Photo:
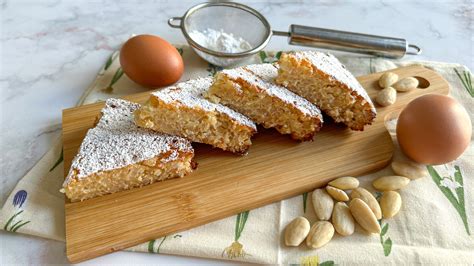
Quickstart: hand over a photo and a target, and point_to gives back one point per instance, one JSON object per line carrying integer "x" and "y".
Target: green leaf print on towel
{"x": 151, "y": 244}
{"x": 111, "y": 59}
{"x": 305, "y": 199}
{"x": 13, "y": 227}
{"x": 327, "y": 263}
{"x": 447, "y": 184}
{"x": 267, "y": 57}
{"x": 386, "y": 243}
{"x": 118, "y": 74}
{"x": 236, "y": 250}
{"x": 213, "y": 69}
{"x": 58, "y": 161}
{"x": 180, "y": 51}
{"x": 314, "y": 261}
{"x": 466, "y": 81}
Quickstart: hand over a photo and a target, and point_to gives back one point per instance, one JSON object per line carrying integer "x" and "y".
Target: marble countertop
{"x": 51, "y": 50}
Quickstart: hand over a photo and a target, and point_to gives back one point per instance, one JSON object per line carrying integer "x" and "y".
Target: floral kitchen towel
{"x": 435, "y": 224}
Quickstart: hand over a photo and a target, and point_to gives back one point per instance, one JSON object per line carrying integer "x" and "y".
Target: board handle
{"x": 430, "y": 82}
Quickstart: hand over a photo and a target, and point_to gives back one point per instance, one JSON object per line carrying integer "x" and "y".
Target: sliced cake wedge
{"x": 324, "y": 81}
{"x": 182, "y": 110}
{"x": 117, "y": 155}
{"x": 251, "y": 91}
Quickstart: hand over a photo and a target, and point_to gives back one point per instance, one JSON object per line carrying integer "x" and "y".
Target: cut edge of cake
{"x": 324, "y": 81}
{"x": 182, "y": 110}
{"x": 251, "y": 91}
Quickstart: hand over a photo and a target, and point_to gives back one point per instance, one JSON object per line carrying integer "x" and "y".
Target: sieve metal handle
{"x": 173, "y": 19}
{"x": 349, "y": 41}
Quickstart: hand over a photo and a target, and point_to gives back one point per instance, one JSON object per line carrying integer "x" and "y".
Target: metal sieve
{"x": 247, "y": 23}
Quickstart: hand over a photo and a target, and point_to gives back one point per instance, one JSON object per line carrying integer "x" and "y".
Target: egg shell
{"x": 434, "y": 129}
{"x": 151, "y": 61}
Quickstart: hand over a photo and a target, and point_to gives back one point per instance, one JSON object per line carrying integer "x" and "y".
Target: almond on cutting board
{"x": 364, "y": 216}
{"x": 388, "y": 79}
{"x": 386, "y": 97}
{"x": 323, "y": 204}
{"x": 406, "y": 84}
{"x": 345, "y": 182}
{"x": 369, "y": 199}
{"x": 393, "y": 182}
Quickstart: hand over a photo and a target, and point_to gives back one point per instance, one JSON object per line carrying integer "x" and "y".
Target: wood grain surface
{"x": 225, "y": 184}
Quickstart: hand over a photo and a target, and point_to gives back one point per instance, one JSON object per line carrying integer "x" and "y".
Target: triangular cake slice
{"x": 324, "y": 81}
{"x": 182, "y": 110}
{"x": 251, "y": 91}
{"x": 117, "y": 155}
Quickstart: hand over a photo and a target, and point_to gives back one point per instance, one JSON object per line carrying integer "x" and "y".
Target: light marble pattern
{"x": 51, "y": 50}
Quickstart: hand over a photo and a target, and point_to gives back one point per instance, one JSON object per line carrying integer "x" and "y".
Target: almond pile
{"x": 342, "y": 204}
{"x": 390, "y": 84}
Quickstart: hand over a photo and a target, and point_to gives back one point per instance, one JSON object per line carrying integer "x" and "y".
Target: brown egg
{"x": 151, "y": 61}
{"x": 434, "y": 129}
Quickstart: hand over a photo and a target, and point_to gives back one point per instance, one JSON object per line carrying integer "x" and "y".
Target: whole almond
{"x": 388, "y": 79}
{"x": 345, "y": 182}
{"x": 364, "y": 216}
{"x": 409, "y": 169}
{"x": 390, "y": 202}
{"x": 393, "y": 182}
{"x": 386, "y": 97}
{"x": 342, "y": 219}
{"x": 406, "y": 84}
{"x": 337, "y": 194}
{"x": 368, "y": 198}
{"x": 320, "y": 234}
{"x": 296, "y": 231}
{"x": 322, "y": 204}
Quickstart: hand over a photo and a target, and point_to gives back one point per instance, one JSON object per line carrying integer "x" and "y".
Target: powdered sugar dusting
{"x": 331, "y": 66}
{"x": 221, "y": 41}
{"x": 117, "y": 142}
{"x": 262, "y": 76}
{"x": 190, "y": 94}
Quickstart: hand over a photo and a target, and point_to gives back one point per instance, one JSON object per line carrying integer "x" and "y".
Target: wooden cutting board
{"x": 224, "y": 184}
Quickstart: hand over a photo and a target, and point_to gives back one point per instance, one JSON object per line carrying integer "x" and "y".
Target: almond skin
{"x": 364, "y": 216}
{"x": 387, "y": 183}
{"x": 342, "y": 219}
{"x": 322, "y": 204}
{"x": 320, "y": 234}
{"x": 345, "y": 182}
{"x": 337, "y": 194}
{"x": 368, "y": 198}
{"x": 390, "y": 202}
{"x": 296, "y": 231}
